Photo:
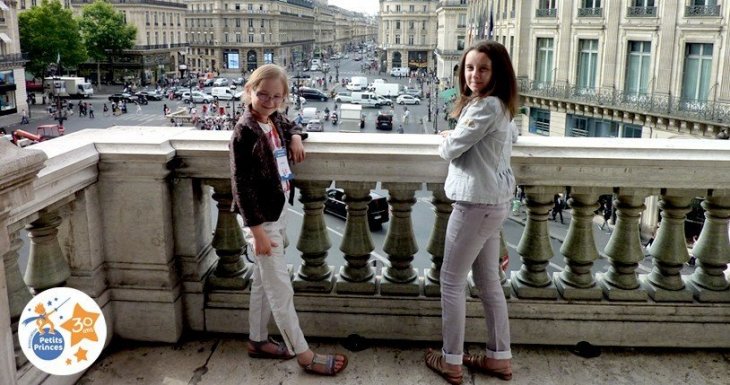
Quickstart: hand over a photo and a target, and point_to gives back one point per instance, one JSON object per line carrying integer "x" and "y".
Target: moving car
{"x": 150, "y": 95}
{"x": 343, "y": 97}
{"x": 315, "y": 125}
{"x": 312, "y": 93}
{"x": 123, "y": 96}
{"x": 198, "y": 97}
{"x": 221, "y": 82}
{"x": 407, "y": 99}
{"x": 383, "y": 101}
{"x": 384, "y": 122}
{"x": 377, "y": 208}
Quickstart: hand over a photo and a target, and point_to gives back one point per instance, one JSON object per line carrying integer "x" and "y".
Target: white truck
{"x": 357, "y": 83}
{"x": 388, "y": 90}
{"x": 350, "y": 115}
{"x": 68, "y": 87}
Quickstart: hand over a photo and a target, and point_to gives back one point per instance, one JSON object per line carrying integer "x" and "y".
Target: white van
{"x": 399, "y": 71}
{"x": 365, "y": 99}
{"x": 309, "y": 113}
{"x": 224, "y": 93}
{"x": 357, "y": 83}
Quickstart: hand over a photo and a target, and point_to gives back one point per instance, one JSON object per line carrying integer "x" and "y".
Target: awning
{"x": 3, "y": 6}
{"x": 447, "y": 94}
{"x": 5, "y": 37}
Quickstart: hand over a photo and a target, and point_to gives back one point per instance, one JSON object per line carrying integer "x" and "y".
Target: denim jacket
{"x": 479, "y": 150}
{"x": 256, "y": 185}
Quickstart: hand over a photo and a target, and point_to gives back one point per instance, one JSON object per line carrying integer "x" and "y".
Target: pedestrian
{"x": 262, "y": 147}
{"x": 139, "y": 107}
{"x": 91, "y": 111}
{"x": 400, "y": 129}
{"x": 558, "y": 206}
{"x": 406, "y": 114}
{"x": 105, "y": 109}
{"x": 24, "y": 118}
{"x": 164, "y": 110}
{"x": 481, "y": 182}
{"x": 607, "y": 213}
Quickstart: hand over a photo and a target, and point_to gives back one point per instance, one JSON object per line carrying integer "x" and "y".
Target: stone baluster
{"x": 624, "y": 248}
{"x": 47, "y": 266}
{"x": 579, "y": 249}
{"x": 533, "y": 281}
{"x": 712, "y": 250}
{"x": 442, "y": 206}
{"x": 400, "y": 278}
{"x": 357, "y": 276}
{"x": 314, "y": 274}
{"x": 18, "y": 293}
{"x": 231, "y": 272}
{"x": 669, "y": 250}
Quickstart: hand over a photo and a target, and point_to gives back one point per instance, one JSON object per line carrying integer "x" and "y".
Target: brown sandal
{"x": 435, "y": 362}
{"x": 479, "y": 363}
{"x": 327, "y": 361}
{"x": 256, "y": 350}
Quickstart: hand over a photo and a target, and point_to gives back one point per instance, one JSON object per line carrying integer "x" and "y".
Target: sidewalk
{"x": 215, "y": 359}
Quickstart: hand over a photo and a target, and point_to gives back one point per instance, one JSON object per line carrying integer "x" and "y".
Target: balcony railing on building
{"x": 14, "y": 58}
{"x": 653, "y": 103}
{"x": 145, "y": 2}
{"x": 701, "y": 10}
{"x": 641, "y": 11}
{"x": 134, "y": 216}
{"x": 546, "y": 12}
{"x": 590, "y": 12}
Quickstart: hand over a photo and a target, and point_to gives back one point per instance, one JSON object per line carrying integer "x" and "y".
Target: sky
{"x": 366, "y": 6}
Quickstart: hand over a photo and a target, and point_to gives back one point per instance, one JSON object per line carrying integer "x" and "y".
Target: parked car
{"x": 315, "y": 125}
{"x": 384, "y": 122}
{"x": 343, "y": 97}
{"x": 198, "y": 97}
{"x": 207, "y": 82}
{"x": 407, "y": 99}
{"x": 128, "y": 98}
{"x": 221, "y": 82}
{"x": 238, "y": 81}
{"x": 413, "y": 92}
{"x": 377, "y": 208}
{"x": 383, "y": 101}
{"x": 312, "y": 93}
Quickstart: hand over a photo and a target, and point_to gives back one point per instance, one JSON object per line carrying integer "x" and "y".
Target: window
{"x": 547, "y": 4}
{"x": 631, "y": 131}
{"x": 250, "y": 38}
{"x": 147, "y": 17}
{"x": 397, "y": 8}
{"x": 460, "y": 42}
{"x": 250, "y": 7}
{"x": 591, "y": 3}
{"x": 410, "y": 40}
{"x": 637, "y": 68}
{"x": 148, "y": 38}
{"x": 697, "y": 67}
{"x": 539, "y": 121}
{"x": 262, "y": 23}
{"x": 411, "y": 8}
{"x": 642, "y": 3}
{"x": 397, "y": 24}
{"x": 225, "y": 37}
{"x": 225, "y": 22}
{"x": 411, "y": 25}
{"x": 397, "y": 39}
{"x": 511, "y": 45}
{"x": 423, "y": 25}
{"x": 462, "y": 20}
{"x": 587, "y": 58}
{"x": 544, "y": 61}
{"x": 238, "y": 7}
{"x": 155, "y": 18}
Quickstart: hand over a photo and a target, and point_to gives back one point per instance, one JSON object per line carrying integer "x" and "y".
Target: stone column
{"x": 400, "y": 278}
{"x": 47, "y": 266}
{"x": 314, "y": 274}
{"x": 442, "y": 206}
{"x": 579, "y": 249}
{"x": 357, "y": 276}
{"x": 18, "y": 292}
{"x": 709, "y": 282}
{"x": 624, "y": 248}
{"x": 669, "y": 250}
{"x": 532, "y": 281}
{"x": 231, "y": 272}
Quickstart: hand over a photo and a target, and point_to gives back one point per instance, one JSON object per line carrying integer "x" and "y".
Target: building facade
{"x": 13, "y": 96}
{"x": 451, "y": 40}
{"x": 408, "y": 33}
{"x": 631, "y": 68}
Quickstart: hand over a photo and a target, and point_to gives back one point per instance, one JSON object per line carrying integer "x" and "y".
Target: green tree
{"x": 106, "y": 33}
{"x": 48, "y": 32}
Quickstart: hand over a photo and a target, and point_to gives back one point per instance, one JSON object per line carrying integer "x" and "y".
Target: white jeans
{"x": 472, "y": 241}
{"x": 272, "y": 292}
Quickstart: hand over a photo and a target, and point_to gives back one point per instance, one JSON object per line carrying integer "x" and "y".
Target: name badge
{"x": 282, "y": 162}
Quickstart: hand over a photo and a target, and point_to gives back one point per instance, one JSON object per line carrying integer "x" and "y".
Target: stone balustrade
{"x": 124, "y": 215}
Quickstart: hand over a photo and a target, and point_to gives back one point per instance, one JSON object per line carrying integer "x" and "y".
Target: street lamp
{"x": 337, "y": 70}
{"x": 57, "y": 85}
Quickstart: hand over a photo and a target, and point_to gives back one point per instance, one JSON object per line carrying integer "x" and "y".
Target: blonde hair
{"x": 266, "y": 71}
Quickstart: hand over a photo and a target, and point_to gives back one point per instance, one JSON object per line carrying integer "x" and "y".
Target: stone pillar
{"x": 47, "y": 266}
{"x": 442, "y": 207}
{"x": 18, "y": 169}
{"x": 314, "y": 274}
{"x": 579, "y": 249}
{"x": 669, "y": 250}
{"x": 400, "y": 278}
{"x": 231, "y": 272}
{"x": 712, "y": 249}
{"x": 532, "y": 281}
{"x": 624, "y": 248}
{"x": 18, "y": 292}
{"x": 357, "y": 276}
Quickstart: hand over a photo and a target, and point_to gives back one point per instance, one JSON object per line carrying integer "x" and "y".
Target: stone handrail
{"x": 138, "y": 240}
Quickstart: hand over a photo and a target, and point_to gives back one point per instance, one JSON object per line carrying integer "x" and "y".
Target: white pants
{"x": 272, "y": 292}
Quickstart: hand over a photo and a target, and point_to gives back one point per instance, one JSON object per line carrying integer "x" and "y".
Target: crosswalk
{"x": 141, "y": 118}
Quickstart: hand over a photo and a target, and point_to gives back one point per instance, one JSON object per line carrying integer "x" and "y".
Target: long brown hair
{"x": 502, "y": 84}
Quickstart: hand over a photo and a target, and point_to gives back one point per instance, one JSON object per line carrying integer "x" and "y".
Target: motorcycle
{"x": 326, "y": 114}
{"x": 334, "y": 118}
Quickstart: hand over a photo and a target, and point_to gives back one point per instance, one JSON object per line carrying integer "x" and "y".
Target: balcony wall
{"x": 132, "y": 210}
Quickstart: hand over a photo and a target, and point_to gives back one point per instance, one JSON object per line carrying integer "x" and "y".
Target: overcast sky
{"x": 365, "y": 6}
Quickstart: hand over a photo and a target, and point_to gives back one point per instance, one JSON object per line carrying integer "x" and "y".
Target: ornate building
{"x": 408, "y": 33}
{"x": 451, "y": 19}
{"x": 13, "y": 98}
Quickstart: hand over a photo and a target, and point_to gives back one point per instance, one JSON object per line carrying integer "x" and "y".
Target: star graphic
{"x": 80, "y": 355}
{"x": 81, "y": 325}
{"x": 50, "y": 303}
{"x": 68, "y": 361}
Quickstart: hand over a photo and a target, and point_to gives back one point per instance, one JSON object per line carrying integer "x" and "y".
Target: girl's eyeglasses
{"x": 266, "y": 97}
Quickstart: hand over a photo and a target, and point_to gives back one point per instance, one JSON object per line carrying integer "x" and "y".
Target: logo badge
{"x": 62, "y": 331}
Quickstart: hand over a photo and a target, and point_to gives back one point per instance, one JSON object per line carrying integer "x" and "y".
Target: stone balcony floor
{"x": 218, "y": 359}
